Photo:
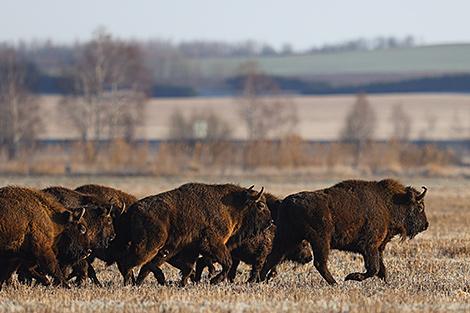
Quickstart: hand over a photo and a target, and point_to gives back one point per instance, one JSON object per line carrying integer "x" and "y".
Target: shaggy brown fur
{"x": 356, "y": 216}
{"x": 36, "y": 229}
{"x": 192, "y": 219}
{"x": 118, "y": 198}
{"x": 99, "y": 221}
{"x": 120, "y": 201}
{"x": 255, "y": 250}
{"x": 97, "y": 213}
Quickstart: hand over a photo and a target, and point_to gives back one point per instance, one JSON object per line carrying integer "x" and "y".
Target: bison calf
{"x": 356, "y": 216}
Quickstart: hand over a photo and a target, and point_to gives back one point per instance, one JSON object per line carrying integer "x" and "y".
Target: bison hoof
{"x": 355, "y": 276}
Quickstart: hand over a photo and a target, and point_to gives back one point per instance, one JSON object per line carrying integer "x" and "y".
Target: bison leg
{"x": 233, "y": 270}
{"x": 143, "y": 248}
{"x": 321, "y": 249}
{"x": 220, "y": 253}
{"x": 186, "y": 272}
{"x": 201, "y": 264}
{"x": 278, "y": 252}
{"x": 92, "y": 275}
{"x": 26, "y": 276}
{"x": 151, "y": 267}
{"x": 126, "y": 272}
{"x": 79, "y": 270}
{"x": 372, "y": 264}
{"x": 255, "y": 270}
{"x": 48, "y": 262}
{"x": 7, "y": 268}
{"x": 186, "y": 267}
{"x": 382, "y": 271}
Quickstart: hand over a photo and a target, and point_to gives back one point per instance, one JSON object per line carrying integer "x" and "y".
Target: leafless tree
{"x": 109, "y": 84}
{"x": 264, "y": 110}
{"x": 359, "y": 125}
{"x": 20, "y": 119}
{"x": 202, "y": 125}
{"x": 401, "y": 122}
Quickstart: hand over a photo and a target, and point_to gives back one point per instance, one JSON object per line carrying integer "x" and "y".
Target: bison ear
{"x": 410, "y": 195}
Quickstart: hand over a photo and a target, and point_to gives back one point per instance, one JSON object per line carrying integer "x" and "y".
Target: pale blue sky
{"x": 303, "y": 23}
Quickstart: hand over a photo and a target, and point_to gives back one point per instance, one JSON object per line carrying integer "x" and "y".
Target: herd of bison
{"x": 52, "y": 236}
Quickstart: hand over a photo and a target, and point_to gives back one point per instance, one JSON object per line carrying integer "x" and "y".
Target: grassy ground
{"x": 430, "y": 273}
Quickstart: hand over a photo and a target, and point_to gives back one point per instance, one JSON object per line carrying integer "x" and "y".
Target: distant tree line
{"x": 364, "y": 44}
{"x": 173, "y": 70}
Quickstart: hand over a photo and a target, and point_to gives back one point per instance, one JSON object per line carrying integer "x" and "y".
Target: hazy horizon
{"x": 300, "y": 23}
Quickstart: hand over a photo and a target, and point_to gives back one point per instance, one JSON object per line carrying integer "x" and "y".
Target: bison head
{"x": 73, "y": 243}
{"x": 100, "y": 225}
{"x": 258, "y": 215}
{"x": 415, "y": 218}
{"x": 302, "y": 253}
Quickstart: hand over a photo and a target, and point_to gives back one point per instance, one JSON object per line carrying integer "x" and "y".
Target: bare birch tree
{"x": 109, "y": 83}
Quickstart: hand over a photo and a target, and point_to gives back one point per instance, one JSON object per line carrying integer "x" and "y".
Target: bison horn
{"x": 123, "y": 207}
{"x": 251, "y": 187}
{"x": 77, "y": 214}
{"x": 421, "y": 196}
{"x": 258, "y": 196}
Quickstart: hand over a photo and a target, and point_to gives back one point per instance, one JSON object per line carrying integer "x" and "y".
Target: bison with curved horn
{"x": 355, "y": 216}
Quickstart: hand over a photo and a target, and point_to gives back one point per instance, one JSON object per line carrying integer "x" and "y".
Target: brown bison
{"x": 36, "y": 229}
{"x": 99, "y": 219}
{"x": 255, "y": 250}
{"x": 356, "y": 216}
{"x": 190, "y": 220}
{"x": 97, "y": 213}
{"x": 120, "y": 201}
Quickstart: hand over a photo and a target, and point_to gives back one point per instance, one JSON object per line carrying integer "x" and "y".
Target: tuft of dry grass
{"x": 430, "y": 273}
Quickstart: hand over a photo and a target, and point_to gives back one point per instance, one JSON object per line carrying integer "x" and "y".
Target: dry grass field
{"x": 433, "y": 116}
{"x": 430, "y": 273}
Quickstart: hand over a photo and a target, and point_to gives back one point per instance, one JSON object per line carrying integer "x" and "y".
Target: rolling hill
{"x": 406, "y": 62}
